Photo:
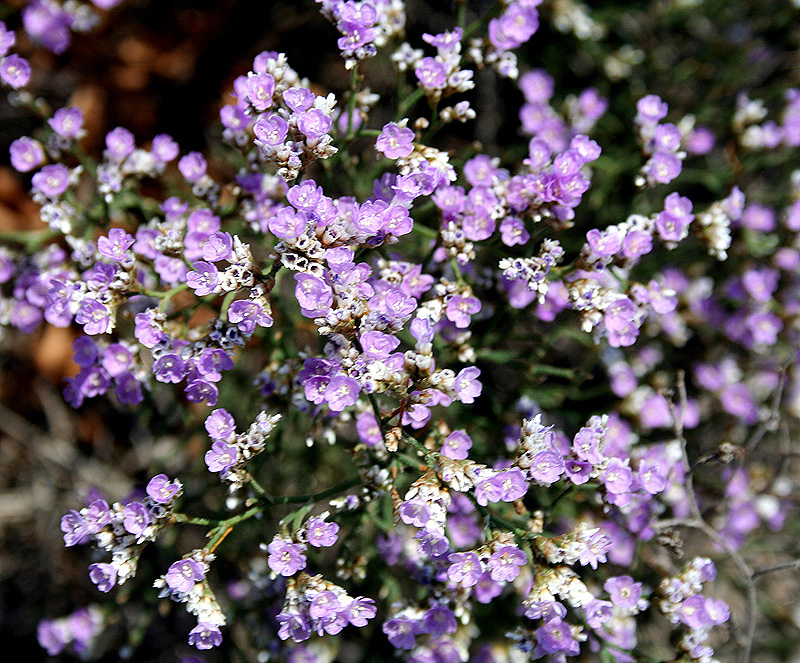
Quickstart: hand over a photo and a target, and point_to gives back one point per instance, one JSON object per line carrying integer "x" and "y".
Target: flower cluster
{"x": 184, "y": 582}
{"x": 77, "y": 631}
{"x": 121, "y": 529}
{"x": 681, "y": 601}
{"x": 477, "y": 379}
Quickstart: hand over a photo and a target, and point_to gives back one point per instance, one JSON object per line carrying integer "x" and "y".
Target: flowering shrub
{"x": 415, "y": 393}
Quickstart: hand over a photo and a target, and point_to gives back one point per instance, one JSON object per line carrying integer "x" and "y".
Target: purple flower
{"x": 401, "y": 632}
{"x": 246, "y": 315}
{"x": 361, "y": 610}
{"x": 321, "y": 534}
{"x": 512, "y": 231}
{"x": 377, "y": 345}
{"x": 192, "y": 167}
{"x": 652, "y": 476}
{"x": 512, "y": 484}
{"x": 94, "y": 317}
{"x": 220, "y": 425}
{"x": 465, "y": 568}
{"x": 183, "y": 575}
{"x": 439, "y": 620}
{"x": 164, "y": 148}
{"x": 116, "y": 359}
{"x": 169, "y": 368}
{"x": 298, "y": 99}
{"x": 636, "y": 244}
{"x": 293, "y": 625}
{"x": 414, "y": 512}
{"x": 544, "y": 609}
{"x": 624, "y": 592}
{"x": 204, "y": 279}
{"x": 488, "y": 490}
{"x": 106, "y": 4}
{"x": 505, "y": 563}
{"x": 67, "y": 122}
{"x": 120, "y": 143}
{"x": 459, "y": 309}
{"x": 161, "y": 490}
{"x": 51, "y": 181}
{"x": 48, "y": 24}
{"x": 663, "y": 167}
{"x": 717, "y": 610}
{"x": 52, "y": 636}
{"x": 25, "y": 316}
{"x": 586, "y": 445}
{"x": 212, "y": 362}
{"x": 198, "y": 391}
{"x": 546, "y": 467}
{"x": 355, "y": 37}
{"x": 700, "y": 141}
{"x": 598, "y": 612}
{"x": 341, "y": 392}
{"x": 260, "y": 88}
{"x": 513, "y": 28}
{"x": 466, "y": 384}
{"x": 7, "y": 39}
{"x": 74, "y": 528}
{"x": 693, "y": 613}
{"x": 135, "y": 518}
{"x": 556, "y": 636}
{"x": 620, "y": 321}
{"x": 667, "y": 137}
{"x": 362, "y": 14}
{"x": 116, "y": 245}
{"x": 395, "y": 141}
{"x": 604, "y": 244}
{"x": 103, "y": 575}
{"x": 651, "y": 109}
{"x": 314, "y": 295}
{"x": 323, "y": 604}
{"x": 285, "y": 557}
{"x": 15, "y": 71}
{"x": 97, "y": 516}
{"x": 148, "y": 329}
{"x": 221, "y": 457}
{"x": 26, "y": 154}
{"x": 737, "y": 400}
{"x": 431, "y": 74}
{"x": 618, "y": 477}
{"x": 205, "y": 636}
{"x": 271, "y": 130}
{"x": 759, "y": 217}
{"x": 305, "y": 196}
{"x": 457, "y": 445}
{"x": 128, "y": 389}
{"x": 596, "y": 545}
{"x": 287, "y": 223}
{"x": 313, "y": 123}
{"x": 368, "y": 430}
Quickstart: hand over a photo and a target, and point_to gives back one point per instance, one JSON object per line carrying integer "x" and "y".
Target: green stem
{"x": 351, "y": 102}
{"x": 31, "y": 239}
{"x": 259, "y": 490}
{"x": 408, "y": 103}
{"x": 189, "y": 520}
{"x": 223, "y": 529}
{"x": 223, "y": 312}
{"x": 315, "y": 497}
{"x": 166, "y": 296}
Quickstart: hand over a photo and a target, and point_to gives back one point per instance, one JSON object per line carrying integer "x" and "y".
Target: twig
{"x": 778, "y": 567}
{"x": 677, "y": 427}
